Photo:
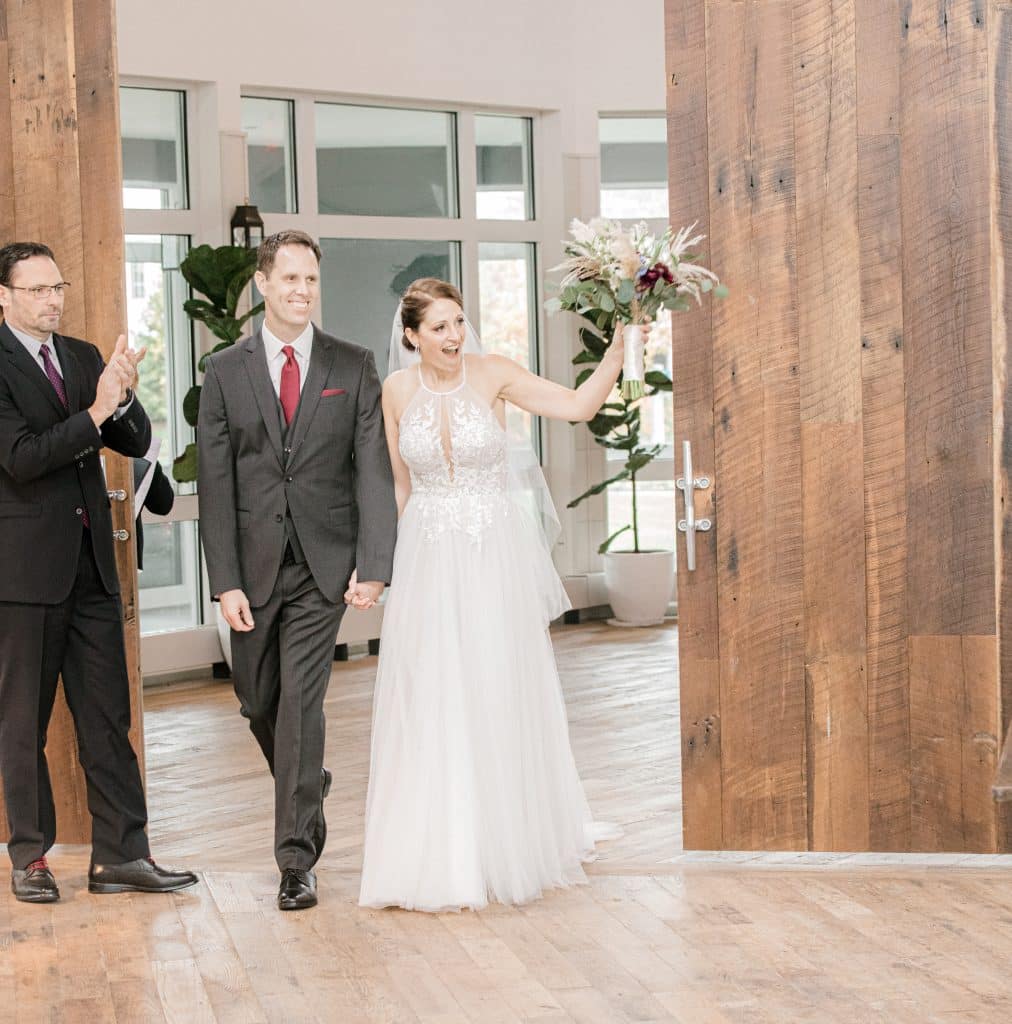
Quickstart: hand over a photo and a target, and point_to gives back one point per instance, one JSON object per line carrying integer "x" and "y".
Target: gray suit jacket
{"x": 332, "y": 473}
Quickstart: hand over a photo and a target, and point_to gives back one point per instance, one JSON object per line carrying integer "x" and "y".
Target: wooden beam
{"x": 758, "y": 446}
{"x": 699, "y": 666}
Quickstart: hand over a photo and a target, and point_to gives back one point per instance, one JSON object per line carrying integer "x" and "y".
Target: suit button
{"x": 289, "y": 479}
{"x": 78, "y": 511}
{"x": 278, "y": 518}
{"x": 80, "y": 465}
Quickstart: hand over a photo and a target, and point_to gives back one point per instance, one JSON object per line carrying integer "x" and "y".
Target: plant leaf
{"x": 184, "y": 467}
{"x": 598, "y": 488}
{"x": 603, "y": 549}
{"x": 191, "y": 405}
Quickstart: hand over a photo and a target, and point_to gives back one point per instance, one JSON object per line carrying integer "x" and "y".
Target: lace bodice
{"x": 456, "y": 452}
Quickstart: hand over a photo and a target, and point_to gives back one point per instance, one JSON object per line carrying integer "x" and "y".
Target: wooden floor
{"x": 657, "y": 935}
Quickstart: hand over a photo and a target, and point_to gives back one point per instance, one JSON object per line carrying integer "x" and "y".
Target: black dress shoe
{"x": 298, "y": 889}
{"x": 142, "y": 875}
{"x": 320, "y": 830}
{"x": 35, "y": 883}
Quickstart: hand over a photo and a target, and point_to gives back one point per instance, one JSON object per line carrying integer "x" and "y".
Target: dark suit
{"x": 159, "y": 500}
{"x": 286, "y": 513}
{"x": 59, "y": 605}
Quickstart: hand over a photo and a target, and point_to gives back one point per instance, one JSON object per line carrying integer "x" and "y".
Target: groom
{"x": 296, "y": 493}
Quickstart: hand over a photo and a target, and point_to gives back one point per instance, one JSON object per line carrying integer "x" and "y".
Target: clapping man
{"x": 60, "y": 611}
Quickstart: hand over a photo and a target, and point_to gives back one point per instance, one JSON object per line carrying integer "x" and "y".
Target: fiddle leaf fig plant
{"x": 221, "y": 276}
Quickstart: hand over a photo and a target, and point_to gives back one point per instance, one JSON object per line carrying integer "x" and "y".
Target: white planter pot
{"x": 640, "y": 585}
{"x": 224, "y": 635}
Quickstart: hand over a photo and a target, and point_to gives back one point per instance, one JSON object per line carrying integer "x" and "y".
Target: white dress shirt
{"x": 34, "y": 346}
{"x": 303, "y": 346}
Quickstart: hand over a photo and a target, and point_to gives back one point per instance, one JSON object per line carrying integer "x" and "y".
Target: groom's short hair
{"x": 272, "y": 243}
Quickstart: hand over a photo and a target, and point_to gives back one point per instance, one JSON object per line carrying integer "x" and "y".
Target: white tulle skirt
{"x": 473, "y": 791}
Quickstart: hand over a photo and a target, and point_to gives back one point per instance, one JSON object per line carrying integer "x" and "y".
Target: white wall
{"x": 568, "y": 61}
{"x": 538, "y": 54}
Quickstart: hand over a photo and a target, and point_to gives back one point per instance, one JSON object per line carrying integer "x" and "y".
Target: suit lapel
{"x": 263, "y": 391}
{"x": 71, "y": 373}
{"x": 320, "y": 361}
{"x": 22, "y": 361}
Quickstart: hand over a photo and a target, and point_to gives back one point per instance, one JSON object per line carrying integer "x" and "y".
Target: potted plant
{"x": 221, "y": 275}
{"x": 614, "y": 275}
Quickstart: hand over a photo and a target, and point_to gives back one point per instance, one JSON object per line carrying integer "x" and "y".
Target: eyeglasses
{"x": 42, "y": 291}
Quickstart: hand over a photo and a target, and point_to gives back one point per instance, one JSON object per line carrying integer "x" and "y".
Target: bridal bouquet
{"x": 631, "y": 274}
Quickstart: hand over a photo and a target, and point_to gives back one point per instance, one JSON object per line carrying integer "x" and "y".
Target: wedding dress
{"x": 473, "y": 791}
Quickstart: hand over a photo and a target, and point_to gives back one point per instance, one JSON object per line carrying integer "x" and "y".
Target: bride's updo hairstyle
{"x": 417, "y": 298}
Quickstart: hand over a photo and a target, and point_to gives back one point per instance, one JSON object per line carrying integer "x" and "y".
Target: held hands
{"x": 362, "y": 595}
{"x": 118, "y": 377}
{"x": 235, "y": 608}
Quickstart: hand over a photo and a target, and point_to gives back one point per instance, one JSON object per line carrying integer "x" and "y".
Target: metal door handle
{"x": 117, "y": 495}
{"x": 121, "y": 534}
{"x": 688, "y": 485}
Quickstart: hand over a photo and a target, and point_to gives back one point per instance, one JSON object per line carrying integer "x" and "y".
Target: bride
{"x": 473, "y": 791}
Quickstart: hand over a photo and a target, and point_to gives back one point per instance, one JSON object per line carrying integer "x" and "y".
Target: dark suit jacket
{"x": 50, "y": 467}
{"x": 332, "y": 472}
{"x": 159, "y": 500}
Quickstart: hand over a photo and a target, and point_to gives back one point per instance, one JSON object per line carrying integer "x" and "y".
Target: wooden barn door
{"x": 849, "y": 161}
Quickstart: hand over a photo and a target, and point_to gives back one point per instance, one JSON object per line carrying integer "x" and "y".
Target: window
{"x": 153, "y": 137}
{"x": 634, "y": 187}
{"x": 170, "y": 582}
{"x": 507, "y": 310}
{"x": 362, "y": 281}
{"x": 270, "y": 145}
{"x": 634, "y": 168}
{"x": 385, "y": 162}
{"x": 503, "y": 147}
{"x": 655, "y": 503}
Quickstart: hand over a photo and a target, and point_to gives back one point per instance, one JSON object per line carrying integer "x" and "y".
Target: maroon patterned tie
{"x": 54, "y": 375}
{"x": 61, "y": 393}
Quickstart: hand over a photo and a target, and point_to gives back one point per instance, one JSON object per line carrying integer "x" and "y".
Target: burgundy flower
{"x": 649, "y": 277}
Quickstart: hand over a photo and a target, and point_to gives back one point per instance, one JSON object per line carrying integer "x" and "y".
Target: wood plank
{"x": 829, "y": 337}
{"x": 1000, "y": 87}
{"x": 40, "y": 97}
{"x": 947, "y": 320}
{"x": 101, "y": 170}
{"x": 688, "y": 202}
{"x": 885, "y": 491}
{"x": 1001, "y": 790}
{"x": 7, "y": 223}
{"x": 954, "y": 755}
{"x": 878, "y": 80}
{"x": 758, "y": 444}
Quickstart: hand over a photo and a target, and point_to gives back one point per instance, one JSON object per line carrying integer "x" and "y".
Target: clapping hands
{"x": 117, "y": 379}
{"x": 362, "y": 594}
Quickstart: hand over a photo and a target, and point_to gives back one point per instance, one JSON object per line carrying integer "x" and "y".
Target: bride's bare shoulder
{"x": 489, "y": 365}
{"x": 400, "y": 381}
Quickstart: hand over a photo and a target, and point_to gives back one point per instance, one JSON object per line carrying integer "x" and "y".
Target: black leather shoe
{"x": 320, "y": 831}
{"x": 35, "y": 883}
{"x": 142, "y": 875}
{"x": 298, "y": 890}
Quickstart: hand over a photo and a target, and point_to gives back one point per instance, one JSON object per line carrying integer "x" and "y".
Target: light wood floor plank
{"x": 656, "y": 935}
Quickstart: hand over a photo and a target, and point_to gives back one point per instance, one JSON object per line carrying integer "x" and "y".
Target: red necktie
{"x": 289, "y": 384}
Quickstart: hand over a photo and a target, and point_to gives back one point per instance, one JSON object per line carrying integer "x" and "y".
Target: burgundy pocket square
{"x": 329, "y": 392}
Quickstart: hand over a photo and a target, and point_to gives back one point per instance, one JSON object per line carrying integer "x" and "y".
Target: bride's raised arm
{"x": 543, "y": 397}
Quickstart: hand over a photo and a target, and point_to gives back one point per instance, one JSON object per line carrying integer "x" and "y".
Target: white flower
{"x": 581, "y": 232}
